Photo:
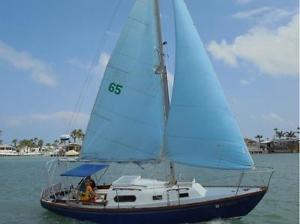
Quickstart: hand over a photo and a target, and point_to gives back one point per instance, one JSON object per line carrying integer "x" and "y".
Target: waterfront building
{"x": 283, "y": 145}
{"x": 255, "y": 147}
{"x": 7, "y": 150}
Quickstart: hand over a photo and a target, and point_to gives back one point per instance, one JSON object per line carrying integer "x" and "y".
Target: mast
{"x": 161, "y": 68}
{"x": 162, "y": 71}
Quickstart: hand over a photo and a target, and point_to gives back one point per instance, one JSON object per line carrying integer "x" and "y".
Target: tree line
{"x": 279, "y": 134}
{"x": 27, "y": 144}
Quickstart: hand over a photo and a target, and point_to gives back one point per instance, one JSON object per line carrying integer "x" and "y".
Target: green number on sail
{"x": 111, "y": 87}
{"x": 115, "y": 88}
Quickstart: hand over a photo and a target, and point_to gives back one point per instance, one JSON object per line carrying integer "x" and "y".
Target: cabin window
{"x": 125, "y": 198}
{"x": 157, "y": 197}
{"x": 184, "y": 195}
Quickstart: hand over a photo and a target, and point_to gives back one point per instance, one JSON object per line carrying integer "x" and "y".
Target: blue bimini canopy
{"x": 84, "y": 170}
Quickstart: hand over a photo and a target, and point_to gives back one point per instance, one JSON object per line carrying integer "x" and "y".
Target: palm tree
{"x": 35, "y": 141}
{"x": 259, "y": 137}
{"x": 74, "y": 135}
{"x": 80, "y": 134}
{"x": 0, "y": 137}
{"x": 31, "y": 144}
{"x": 40, "y": 144}
{"x": 290, "y": 134}
{"x": 21, "y": 144}
{"x": 275, "y": 131}
{"x": 15, "y": 142}
{"x": 77, "y": 134}
{"x": 55, "y": 143}
{"x": 26, "y": 144}
{"x": 280, "y": 134}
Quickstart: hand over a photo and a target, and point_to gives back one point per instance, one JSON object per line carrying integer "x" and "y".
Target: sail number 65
{"x": 115, "y": 88}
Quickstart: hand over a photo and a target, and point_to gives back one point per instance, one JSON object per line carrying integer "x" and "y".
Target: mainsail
{"x": 201, "y": 129}
{"x": 127, "y": 120}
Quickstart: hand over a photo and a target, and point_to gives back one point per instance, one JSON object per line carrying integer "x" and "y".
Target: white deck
{"x": 137, "y": 181}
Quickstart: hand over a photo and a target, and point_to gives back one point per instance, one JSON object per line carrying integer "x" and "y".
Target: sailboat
{"x": 132, "y": 121}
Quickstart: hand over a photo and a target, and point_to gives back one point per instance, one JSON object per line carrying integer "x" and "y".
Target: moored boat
{"x": 8, "y": 150}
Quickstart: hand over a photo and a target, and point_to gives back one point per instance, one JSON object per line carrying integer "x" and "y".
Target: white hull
{"x": 20, "y": 154}
{"x": 9, "y": 153}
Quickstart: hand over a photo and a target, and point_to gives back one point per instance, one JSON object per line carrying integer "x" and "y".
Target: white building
{"x": 8, "y": 150}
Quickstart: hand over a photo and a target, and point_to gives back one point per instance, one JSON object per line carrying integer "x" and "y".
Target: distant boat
{"x": 66, "y": 148}
{"x": 8, "y": 150}
{"x": 72, "y": 152}
{"x": 133, "y": 122}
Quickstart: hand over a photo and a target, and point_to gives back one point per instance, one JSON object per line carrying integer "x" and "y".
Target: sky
{"x": 53, "y": 55}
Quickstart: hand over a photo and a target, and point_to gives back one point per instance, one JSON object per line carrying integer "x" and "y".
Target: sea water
{"x": 22, "y": 179}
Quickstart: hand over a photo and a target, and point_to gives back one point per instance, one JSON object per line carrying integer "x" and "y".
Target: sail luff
{"x": 201, "y": 130}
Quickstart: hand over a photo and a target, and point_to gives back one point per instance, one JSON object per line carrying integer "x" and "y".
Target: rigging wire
{"x": 102, "y": 44}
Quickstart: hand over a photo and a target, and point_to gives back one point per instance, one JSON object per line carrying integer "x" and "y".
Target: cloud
{"x": 40, "y": 71}
{"x": 276, "y": 120}
{"x": 272, "y": 117}
{"x": 223, "y": 51}
{"x": 264, "y": 15}
{"x": 242, "y": 2}
{"x": 273, "y": 52}
{"x": 97, "y": 67}
{"x": 244, "y": 82}
{"x": 101, "y": 64}
{"x": 79, "y": 64}
{"x": 41, "y": 118}
{"x": 250, "y": 13}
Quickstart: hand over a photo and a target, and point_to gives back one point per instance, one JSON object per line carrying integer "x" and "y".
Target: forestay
{"x": 126, "y": 123}
{"x": 201, "y": 129}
